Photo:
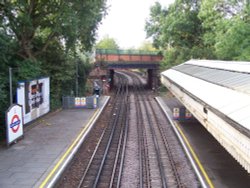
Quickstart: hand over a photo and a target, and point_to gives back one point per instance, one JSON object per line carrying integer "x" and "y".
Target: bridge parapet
{"x": 130, "y": 59}
{"x": 127, "y": 52}
{"x": 122, "y": 56}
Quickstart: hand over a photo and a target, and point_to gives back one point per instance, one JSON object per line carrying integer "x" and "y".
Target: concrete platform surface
{"x": 28, "y": 162}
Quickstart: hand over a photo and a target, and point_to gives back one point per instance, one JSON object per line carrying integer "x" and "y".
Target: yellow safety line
{"x": 195, "y": 157}
{"x": 68, "y": 151}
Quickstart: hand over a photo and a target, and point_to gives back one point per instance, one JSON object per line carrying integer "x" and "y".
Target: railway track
{"x": 138, "y": 147}
{"x": 105, "y": 166}
{"x": 159, "y": 155}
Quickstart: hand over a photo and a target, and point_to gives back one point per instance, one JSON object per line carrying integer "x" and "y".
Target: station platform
{"x": 48, "y": 144}
{"x": 217, "y": 167}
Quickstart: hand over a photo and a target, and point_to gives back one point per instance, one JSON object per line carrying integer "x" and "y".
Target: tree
{"x": 6, "y": 46}
{"x": 233, "y": 43}
{"x": 72, "y": 22}
{"x": 107, "y": 43}
{"x": 154, "y": 25}
{"x": 207, "y": 29}
{"x": 176, "y": 30}
{"x": 226, "y": 28}
{"x": 147, "y": 46}
{"x": 41, "y": 38}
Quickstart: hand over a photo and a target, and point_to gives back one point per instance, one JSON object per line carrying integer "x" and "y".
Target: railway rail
{"x": 138, "y": 147}
{"x": 159, "y": 155}
{"x": 105, "y": 166}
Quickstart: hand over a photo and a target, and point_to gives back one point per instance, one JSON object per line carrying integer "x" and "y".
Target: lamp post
{"x": 11, "y": 70}
{"x": 77, "y": 79}
{"x": 10, "y": 84}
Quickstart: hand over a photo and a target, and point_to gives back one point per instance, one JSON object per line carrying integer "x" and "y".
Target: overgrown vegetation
{"x": 47, "y": 38}
{"x": 107, "y": 43}
{"x": 201, "y": 29}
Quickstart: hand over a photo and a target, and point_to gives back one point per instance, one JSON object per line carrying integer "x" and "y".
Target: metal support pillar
{"x": 153, "y": 79}
{"x": 150, "y": 78}
{"x": 111, "y": 78}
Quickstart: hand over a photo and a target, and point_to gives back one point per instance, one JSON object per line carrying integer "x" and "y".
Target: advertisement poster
{"x": 34, "y": 96}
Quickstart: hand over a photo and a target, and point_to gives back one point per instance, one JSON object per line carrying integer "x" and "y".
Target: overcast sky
{"x": 126, "y": 20}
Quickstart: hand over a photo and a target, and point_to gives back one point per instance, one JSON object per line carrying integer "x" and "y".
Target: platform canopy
{"x": 217, "y": 93}
{"x": 224, "y": 86}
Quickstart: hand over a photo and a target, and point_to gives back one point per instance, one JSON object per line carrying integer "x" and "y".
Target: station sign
{"x": 80, "y": 101}
{"x": 77, "y": 101}
{"x": 176, "y": 113}
{"x": 188, "y": 114}
{"x": 14, "y": 123}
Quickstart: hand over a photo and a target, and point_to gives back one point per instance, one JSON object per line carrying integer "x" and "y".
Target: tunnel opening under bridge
{"x": 113, "y": 60}
{"x": 151, "y": 75}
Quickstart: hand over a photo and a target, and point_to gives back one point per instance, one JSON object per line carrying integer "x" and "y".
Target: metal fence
{"x": 126, "y": 52}
{"x": 90, "y": 102}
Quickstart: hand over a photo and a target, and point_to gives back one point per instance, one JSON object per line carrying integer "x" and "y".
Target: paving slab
{"x": 26, "y": 163}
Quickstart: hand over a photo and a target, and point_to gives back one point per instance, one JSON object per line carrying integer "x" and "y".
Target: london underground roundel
{"x": 14, "y": 123}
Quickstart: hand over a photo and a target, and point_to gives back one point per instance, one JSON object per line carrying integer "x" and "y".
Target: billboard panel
{"x": 34, "y": 96}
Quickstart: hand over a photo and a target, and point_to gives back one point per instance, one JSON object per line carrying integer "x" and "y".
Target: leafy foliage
{"x": 72, "y": 21}
{"x": 47, "y": 38}
{"x": 233, "y": 44}
{"x": 207, "y": 29}
{"x": 146, "y": 46}
{"x": 107, "y": 43}
{"x": 154, "y": 25}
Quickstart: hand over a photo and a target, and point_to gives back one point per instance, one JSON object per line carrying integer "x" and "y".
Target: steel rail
{"x": 123, "y": 149}
{"x": 164, "y": 138}
{"x": 118, "y": 91}
{"x": 159, "y": 162}
{"x": 156, "y": 145}
{"x": 108, "y": 144}
{"x": 185, "y": 147}
{"x": 122, "y": 141}
{"x": 167, "y": 147}
{"x": 140, "y": 143}
{"x": 91, "y": 160}
{"x": 143, "y": 144}
{"x": 144, "y": 167}
{"x": 167, "y": 144}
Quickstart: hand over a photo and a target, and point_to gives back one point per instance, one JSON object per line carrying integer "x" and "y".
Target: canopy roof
{"x": 222, "y": 85}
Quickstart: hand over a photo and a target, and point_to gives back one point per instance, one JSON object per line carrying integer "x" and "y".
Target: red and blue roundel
{"x": 15, "y": 123}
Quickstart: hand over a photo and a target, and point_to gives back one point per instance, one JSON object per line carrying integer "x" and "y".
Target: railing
{"x": 70, "y": 102}
{"x": 127, "y": 52}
